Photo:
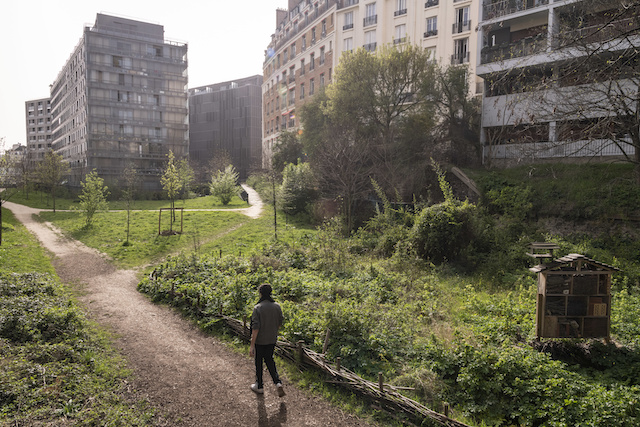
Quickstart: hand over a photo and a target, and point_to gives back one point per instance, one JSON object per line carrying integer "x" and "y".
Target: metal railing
{"x": 525, "y": 47}
{"x": 459, "y": 27}
{"x": 494, "y": 9}
{"x": 370, "y": 47}
{"x": 431, "y": 3}
{"x": 457, "y": 58}
{"x": 370, "y": 20}
{"x": 400, "y": 12}
{"x": 430, "y": 33}
{"x": 346, "y": 3}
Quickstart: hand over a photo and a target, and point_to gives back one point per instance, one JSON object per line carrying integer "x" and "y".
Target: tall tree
{"x": 51, "y": 172}
{"x": 288, "y": 149}
{"x": 170, "y": 180}
{"x": 129, "y": 182}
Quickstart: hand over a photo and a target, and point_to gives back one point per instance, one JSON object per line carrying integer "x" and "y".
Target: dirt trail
{"x": 193, "y": 379}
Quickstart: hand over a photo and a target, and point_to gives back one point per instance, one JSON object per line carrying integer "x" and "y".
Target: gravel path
{"x": 193, "y": 379}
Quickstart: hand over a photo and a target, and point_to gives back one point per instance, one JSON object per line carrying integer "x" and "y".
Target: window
{"x": 462, "y": 20}
{"x": 117, "y": 61}
{"x": 322, "y": 80}
{"x": 400, "y": 34}
{"x": 432, "y": 27}
{"x": 461, "y": 52}
{"x": 370, "y": 15}
{"x": 313, "y": 35}
{"x": 312, "y": 87}
{"x": 301, "y": 90}
{"x": 292, "y": 74}
{"x": 304, "y": 42}
{"x": 401, "y": 8}
{"x": 312, "y": 62}
{"x": 324, "y": 28}
{"x": 348, "y": 45}
{"x": 302, "y": 67}
{"x": 322, "y": 55}
{"x": 348, "y": 21}
{"x": 370, "y": 40}
{"x": 293, "y": 50}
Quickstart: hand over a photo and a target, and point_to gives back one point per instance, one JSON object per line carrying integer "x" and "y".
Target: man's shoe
{"x": 280, "y": 389}
{"x": 256, "y": 389}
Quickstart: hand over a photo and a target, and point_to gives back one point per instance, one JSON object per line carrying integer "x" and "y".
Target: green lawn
{"x": 108, "y": 234}
{"x": 41, "y": 200}
{"x": 20, "y": 251}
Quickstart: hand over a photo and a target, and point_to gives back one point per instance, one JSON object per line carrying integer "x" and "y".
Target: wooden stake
{"x": 380, "y": 382}
{"x": 326, "y": 341}
{"x": 338, "y": 364}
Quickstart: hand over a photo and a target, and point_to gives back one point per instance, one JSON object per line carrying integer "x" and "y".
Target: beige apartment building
{"x": 311, "y": 35}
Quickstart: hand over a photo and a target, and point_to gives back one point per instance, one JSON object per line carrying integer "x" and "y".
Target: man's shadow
{"x": 274, "y": 420}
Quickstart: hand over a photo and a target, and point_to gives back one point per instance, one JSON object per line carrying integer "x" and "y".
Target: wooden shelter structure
{"x": 574, "y": 298}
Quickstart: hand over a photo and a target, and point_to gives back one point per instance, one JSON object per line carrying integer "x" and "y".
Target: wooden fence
{"x": 386, "y": 395}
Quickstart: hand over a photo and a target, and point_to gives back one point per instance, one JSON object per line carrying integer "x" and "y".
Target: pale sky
{"x": 226, "y": 39}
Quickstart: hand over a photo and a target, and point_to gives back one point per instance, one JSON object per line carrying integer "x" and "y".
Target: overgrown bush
{"x": 297, "y": 191}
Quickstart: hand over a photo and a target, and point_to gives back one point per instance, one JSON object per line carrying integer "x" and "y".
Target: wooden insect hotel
{"x": 574, "y": 295}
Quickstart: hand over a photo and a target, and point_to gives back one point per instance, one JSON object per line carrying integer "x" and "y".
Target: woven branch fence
{"x": 386, "y": 395}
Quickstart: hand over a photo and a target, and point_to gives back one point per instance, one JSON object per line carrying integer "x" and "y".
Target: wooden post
{"x": 300, "y": 350}
{"x": 446, "y": 409}
{"x": 326, "y": 341}
{"x": 220, "y": 253}
{"x": 381, "y": 382}
{"x": 338, "y": 364}
{"x": 244, "y": 323}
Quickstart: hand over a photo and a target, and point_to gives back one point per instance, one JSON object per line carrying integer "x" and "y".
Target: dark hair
{"x": 265, "y": 290}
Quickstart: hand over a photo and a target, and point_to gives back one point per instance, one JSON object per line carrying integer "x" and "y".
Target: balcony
{"x": 346, "y": 3}
{"x": 370, "y": 20}
{"x": 459, "y": 58}
{"x": 400, "y": 40}
{"x": 494, "y": 9}
{"x": 430, "y": 33}
{"x": 431, "y": 3}
{"x": 347, "y": 27}
{"x": 524, "y": 47}
{"x": 620, "y": 29}
{"x": 370, "y": 47}
{"x": 292, "y": 78}
{"x": 461, "y": 26}
{"x": 400, "y": 12}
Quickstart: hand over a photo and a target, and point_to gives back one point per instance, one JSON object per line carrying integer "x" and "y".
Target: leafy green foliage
{"x": 54, "y": 368}
{"x": 93, "y": 197}
{"x": 297, "y": 190}
{"x": 224, "y": 184}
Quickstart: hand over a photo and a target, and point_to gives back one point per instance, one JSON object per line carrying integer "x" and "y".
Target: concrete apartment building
{"x": 523, "y": 47}
{"x": 226, "y": 118}
{"x": 121, "y": 99}
{"x": 38, "y": 127}
{"x": 311, "y": 35}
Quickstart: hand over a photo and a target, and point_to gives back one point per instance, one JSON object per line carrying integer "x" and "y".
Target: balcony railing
{"x": 525, "y": 47}
{"x": 431, "y": 3}
{"x": 430, "y": 33}
{"x": 400, "y": 40}
{"x": 459, "y": 58}
{"x": 370, "y": 20}
{"x": 292, "y": 78}
{"x": 347, "y": 26}
{"x": 494, "y": 9}
{"x": 400, "y": 12}
{"x": 346, "y": 3}
{"x": 598, "y": 33}
{"x": 370, "y": 47}
{"x": 461, "y": 26}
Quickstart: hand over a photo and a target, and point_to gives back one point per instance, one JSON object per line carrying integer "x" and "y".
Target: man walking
{"x": 265, "y": 321}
